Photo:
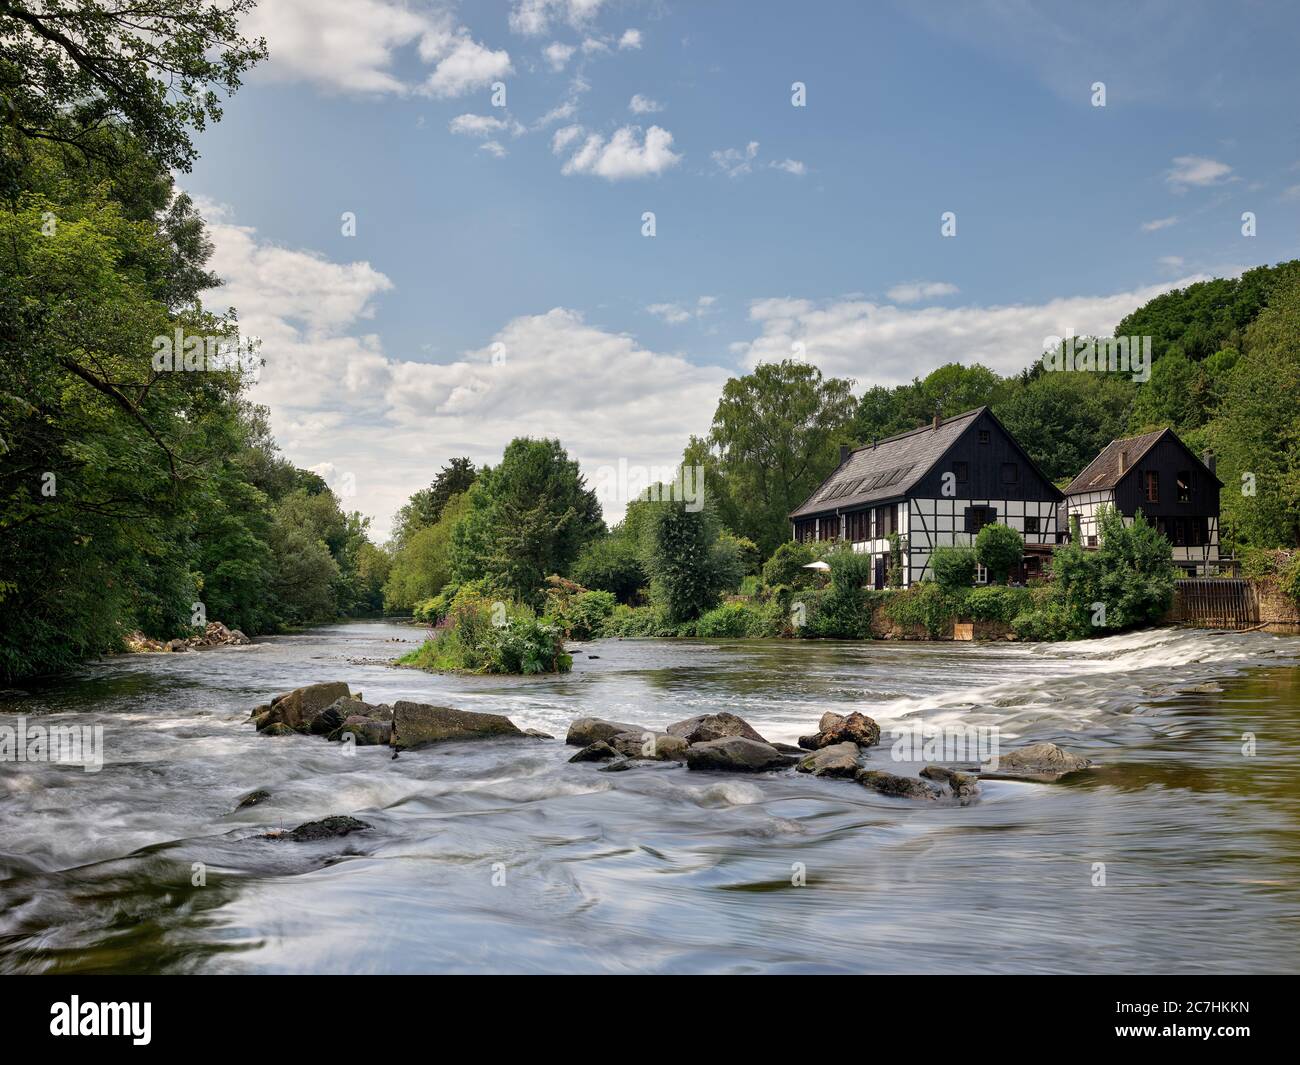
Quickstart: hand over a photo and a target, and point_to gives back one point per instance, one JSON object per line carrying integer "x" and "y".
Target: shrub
{"x": 611, "y": 564}
{"x": 954, "y": 567}
{"x": 996, "y": 603}
{"x": 924, "y": 604}
{"x": 999, "y": 549}
{"x": 730, "y": 620}
{"x": 490, "y": 634}
{"x": 785, "y": 567}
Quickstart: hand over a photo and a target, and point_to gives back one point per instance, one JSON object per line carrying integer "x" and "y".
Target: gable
{"x": 995, "y": 468}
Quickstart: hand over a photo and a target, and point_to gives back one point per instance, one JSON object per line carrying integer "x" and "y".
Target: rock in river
{"x": 837, "y": 760}
{"x": 418, "y": 724}
{"x": 736, "y": 754}
{"x": 1041, "y": 763}
{"x": 901, "y": 787}
{"x": 658, "y": 746}
{"x": 836, "y": 728}
{"x": 965, "y": 786}
{"x": 708, "y": 727}
{"x": 600, "y": 751}
{"x": 327, "y": 828}
{"x": 297, "y": 709}
{"x": 588, "y": 730}
{"x": 365, "y": 731}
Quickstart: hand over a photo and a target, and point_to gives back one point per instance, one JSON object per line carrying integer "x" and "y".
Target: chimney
{"x": 1123, "y": 462}
{"x": 1208, "y": 458}
{"x": 873, "y": 443}
{"x": 938, "y": 416}
{"x": 845, "y": 450}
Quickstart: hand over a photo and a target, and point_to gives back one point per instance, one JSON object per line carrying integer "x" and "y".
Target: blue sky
{"x": 516, "y": 231}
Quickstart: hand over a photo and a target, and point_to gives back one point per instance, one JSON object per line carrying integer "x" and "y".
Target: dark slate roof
{"x": 888, "y": 469}
{"x": 1103, "y": 472}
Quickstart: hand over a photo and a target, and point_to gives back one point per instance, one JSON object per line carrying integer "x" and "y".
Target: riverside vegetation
{"x": 132, "y": 497}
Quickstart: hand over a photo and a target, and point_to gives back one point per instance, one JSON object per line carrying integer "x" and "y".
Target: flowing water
{"x": 501, "y": 856}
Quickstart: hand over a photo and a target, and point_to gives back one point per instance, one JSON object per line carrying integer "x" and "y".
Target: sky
{"x": 434, "y": 214}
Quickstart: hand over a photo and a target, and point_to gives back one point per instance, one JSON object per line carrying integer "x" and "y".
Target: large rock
{"x": 600, "y": 751}
{"x": 736, "y": 754}
{"x": 658, "y": 746}
{"x": 836, "y": 728}
{"x": 900, "y": 787}
{"x": 365, "y": 731}
{"x": 837, "y": 760}
{"x": 708, "y": 727}
{"x": 332, "y": 718}
{"x": 965, "y": 786}
{"x": 1039, "y": 762}
{"x": 297, "y": 709}
{"x": 327, "y": 828}
{"x": 588, "y": 730}
{"x": 419, "y": 724}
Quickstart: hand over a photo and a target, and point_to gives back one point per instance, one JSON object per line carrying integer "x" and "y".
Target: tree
{"x": 529, "y": 517}
{"x": 688, "y": 566}
{"x": 999, "y": 549}
{"x": 777, "y": 432}
{"x": 422, "y": 566}
{"x": 611, "y": 564}
{"x": 70, "y": 68}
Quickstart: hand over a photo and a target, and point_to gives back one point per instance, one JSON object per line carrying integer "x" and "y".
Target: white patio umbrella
{"x": 815, "y": 565}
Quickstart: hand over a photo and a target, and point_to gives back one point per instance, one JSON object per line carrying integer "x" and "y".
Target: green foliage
{"x": 421, "y": 566}
{"x": 999, "y": 549}
{"x": 897, "y": 549}
{"x": 924, "y": 604}
{"x": 951, "y": 389}
{"x": 954, "y": 567}
{"x": 490, "y": 635}
{"x": 612, "y": 564}
{"x": 528, "y": 517}
{"x": 995, "y": 603}
{"x": 578, "y": 612}
{"x": 786, "y": 566}
{"x": 731, "y": 620}
{"x": 688, "y": 565}
{"x": 776, "y": 433}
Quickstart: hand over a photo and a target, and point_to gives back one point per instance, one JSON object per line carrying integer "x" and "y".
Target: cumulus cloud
{"x": 534, "y": 17}
{"x": 676, "y": 313}
{"x": 643, "y": 105}
{"x": 558, "y": 54}
{"x": 352, "y": 45}
{"x": 482, "y": 126}
{"x": 790, "y": 166}
{"x": 913, "y": 291}
{"x": 623, "y": 155}
{"x": 342, "y": 405}
{"x": 631, "y": 39}
{"x": 889, "y": 345}
{"x": 1195, "y": 171}
{"x": 563, "y": 137}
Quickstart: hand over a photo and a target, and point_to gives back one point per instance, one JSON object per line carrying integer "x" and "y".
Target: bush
{"x": 999, "y": 549}
{"x": 634, "y": 621}
{"x": 785, "y": 567}
{"x": 924, "y": 604}
{"x": 731, "y": 621}
{"x": 954, "y": 567}
{"x": 490, "y": 634}
{"x": 996, "y": 603}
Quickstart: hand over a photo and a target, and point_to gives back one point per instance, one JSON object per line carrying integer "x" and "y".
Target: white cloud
{"x": 478, "y": 125}
{"x": 1291, "y": 192}
{"x": 352, "y": 45}
{"x": 912, "y": 291}
{"x": 676, "y": 314}
{"x": 558, "y": 54}
{"x": 592, "y": 45}
{"x": 462, "y": 63}
{"x": 885, "y": 344}
{"x": 560, "y": 113}
{"x": 735, "y": 162}
{"x": 494, "y": 148}
{"x": 623, "y": 156}
{"x": 534, "y": 17}
{"x": 1159, "y": 223}
{"x": 564, "y": 136}
{"x": 1196, "y": 170}
{"x": 631, "y": 39}
{"x": 643, "y": 105}
{"x": 790, "y": 166}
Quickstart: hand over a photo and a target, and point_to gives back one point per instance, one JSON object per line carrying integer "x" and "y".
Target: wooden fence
{"x": 1222, "y": 603}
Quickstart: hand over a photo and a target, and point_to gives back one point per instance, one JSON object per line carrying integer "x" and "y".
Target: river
{"x": 502, "y": 857}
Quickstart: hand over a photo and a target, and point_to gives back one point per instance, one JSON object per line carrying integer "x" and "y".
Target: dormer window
{"x": 1153, "y": 486}
{"x": 1184, "y": 486}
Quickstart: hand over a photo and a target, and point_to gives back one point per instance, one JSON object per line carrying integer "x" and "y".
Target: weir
{"x": 1222, "y": 603}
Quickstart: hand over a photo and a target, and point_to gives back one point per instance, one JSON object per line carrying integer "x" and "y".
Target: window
{"x": 1091, "y": 540}
{"x": 1184, "y": 484}
{"x": 859, "y": 526}
{"x": 884, "y": 521}
{"x": 1153, "y": 486}
{"x": 1010, "y": 473}
{"x": 962, "y": 472}
{"x": 1031, "y": 523}
{"x": 803, "y": 530}
{"x": 829, "y": 528}
{"x": 985, "y": 436}
{"x": 978, "y": 517}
